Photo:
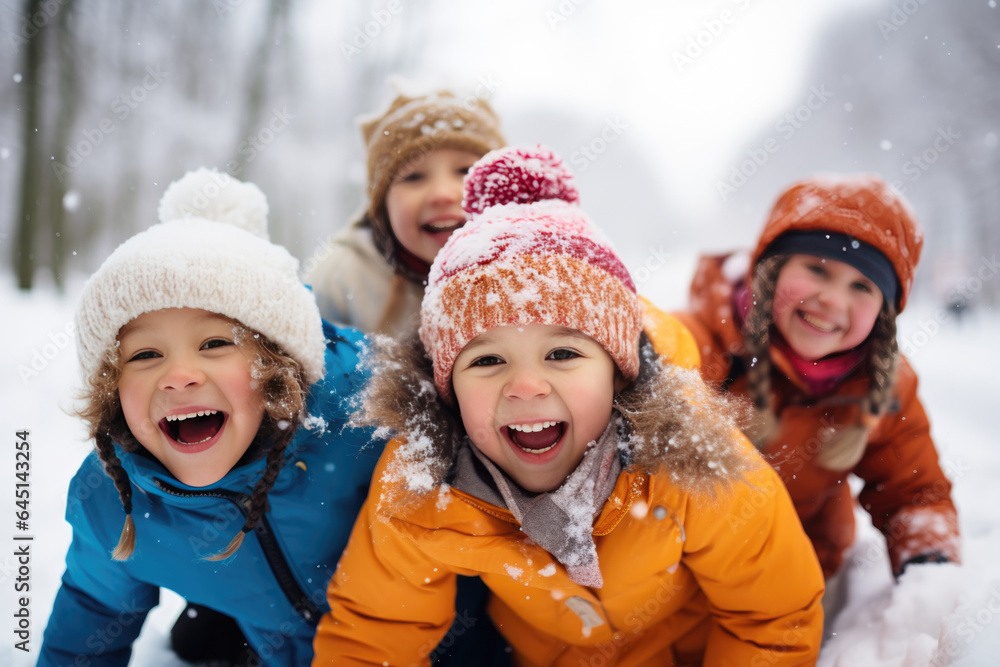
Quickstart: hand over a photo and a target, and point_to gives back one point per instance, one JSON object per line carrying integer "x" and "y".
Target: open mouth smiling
{"x": 193, "y": 428}
{"x": 536, "y": 438}
{"x": 442, "y": 226}
{"x": 817, "y": 323}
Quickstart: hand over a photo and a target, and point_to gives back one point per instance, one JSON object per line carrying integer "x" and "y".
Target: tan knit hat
{"x": 414, "y": 126}
{"x": 210, "y": 251}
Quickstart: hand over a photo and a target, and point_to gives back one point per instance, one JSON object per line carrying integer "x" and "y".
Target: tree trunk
{"x": 257, "y": 87}
{"x": 64, "y": 124}
{"x": 29, "y": 207}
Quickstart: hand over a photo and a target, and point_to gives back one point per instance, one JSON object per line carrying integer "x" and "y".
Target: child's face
{"x": 183, "y": 361}
{"x": 424, "y": 201}
{"x": 823, "y": 306}
{"x": 512, "y": 380}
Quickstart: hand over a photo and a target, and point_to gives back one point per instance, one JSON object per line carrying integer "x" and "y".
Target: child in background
{"x": 600, "y": 491}
{"x": 223, "y": 468}
{"x": 809, "y": 334}
{"x": 371, "y": 275}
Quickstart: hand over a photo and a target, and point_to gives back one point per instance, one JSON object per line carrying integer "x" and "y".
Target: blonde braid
{"x": 757, "y": 340}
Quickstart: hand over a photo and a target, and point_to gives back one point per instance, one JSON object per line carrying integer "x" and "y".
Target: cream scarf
{"x": 559, "y": 521}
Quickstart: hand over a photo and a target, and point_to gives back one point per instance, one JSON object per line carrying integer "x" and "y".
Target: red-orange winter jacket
{"x": 905, "y": 491}
{"x": 688, "y": 579}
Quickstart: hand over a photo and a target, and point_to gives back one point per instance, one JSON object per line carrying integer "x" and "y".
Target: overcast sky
{"x": 692, "y": 79}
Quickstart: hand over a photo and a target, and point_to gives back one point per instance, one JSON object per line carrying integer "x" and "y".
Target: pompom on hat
{"x": 209, "y": 251}
{"x": 528, "y": 255}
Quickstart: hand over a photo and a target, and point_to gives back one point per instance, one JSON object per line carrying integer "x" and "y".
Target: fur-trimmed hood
{"x": 675, "y": 425}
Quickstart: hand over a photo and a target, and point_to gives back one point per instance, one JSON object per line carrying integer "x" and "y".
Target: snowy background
{"x": 681, "y": 119}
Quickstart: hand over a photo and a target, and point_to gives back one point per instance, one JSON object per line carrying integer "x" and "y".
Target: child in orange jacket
{"x": 556, "y": 441}
{"x": 808, "y": 332}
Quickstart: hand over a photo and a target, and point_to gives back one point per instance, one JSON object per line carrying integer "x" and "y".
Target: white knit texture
{"x": 214, "y": 266}
{"x": 210, "y": 195}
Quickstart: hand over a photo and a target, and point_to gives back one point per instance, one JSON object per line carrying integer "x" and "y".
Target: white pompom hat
{"x": 210, "y": 251}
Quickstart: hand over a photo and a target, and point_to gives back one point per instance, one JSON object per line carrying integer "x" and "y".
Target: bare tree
{"x": 30, "y": 211}
{"x": 65, "y": 43}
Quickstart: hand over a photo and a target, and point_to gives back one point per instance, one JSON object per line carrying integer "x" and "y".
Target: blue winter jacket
{"x": 275, "y": 584}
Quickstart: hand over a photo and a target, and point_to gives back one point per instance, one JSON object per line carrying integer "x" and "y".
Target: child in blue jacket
{"x": 223, "y": 470}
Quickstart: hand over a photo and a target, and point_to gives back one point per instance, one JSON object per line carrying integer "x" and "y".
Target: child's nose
{"x": 446, "y": 188}
{"x": 525, "y": 383}
{"x": 181, "y": 373}
{"x": 832, "y": 297}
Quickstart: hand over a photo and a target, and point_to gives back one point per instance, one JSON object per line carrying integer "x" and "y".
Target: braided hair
{"x": 845, "y": 447}
{"x": 283, "y": 386}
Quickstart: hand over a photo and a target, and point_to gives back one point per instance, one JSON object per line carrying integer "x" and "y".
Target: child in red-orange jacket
{"x": 807, "y": 330}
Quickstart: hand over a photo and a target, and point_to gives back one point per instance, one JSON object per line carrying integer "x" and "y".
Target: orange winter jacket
{"x": 688, "y": 579}
{"x": 905, "y": 491}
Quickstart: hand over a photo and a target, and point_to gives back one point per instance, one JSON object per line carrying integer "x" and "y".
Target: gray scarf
{"x": 560, "y": 521}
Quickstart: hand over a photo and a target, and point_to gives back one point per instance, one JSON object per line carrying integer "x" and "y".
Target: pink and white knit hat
{"x": 528, "y": 255}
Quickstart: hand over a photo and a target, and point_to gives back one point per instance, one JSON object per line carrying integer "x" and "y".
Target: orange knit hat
{"x": 861, "y": 206}
{"x": 529, "y": 255}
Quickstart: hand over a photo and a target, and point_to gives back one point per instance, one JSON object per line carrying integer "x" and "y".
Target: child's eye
{"x": 862, "y": 287}
{"x": 412, "y": 177}
{"x": 216, "y": 342}
{"x": 818, "y": 269}
{"x": 464, "y": 170}
{"x": 143, "y": 354}
{"x": 563, "y": 354}
{"x": 488, "y": 360}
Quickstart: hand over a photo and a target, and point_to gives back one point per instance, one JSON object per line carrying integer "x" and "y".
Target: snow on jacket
{"x": 905, "y": 491}
{"x": 687, "y": 577}
{"x": 355, "y": 286}
{"x": 274, "y": 585}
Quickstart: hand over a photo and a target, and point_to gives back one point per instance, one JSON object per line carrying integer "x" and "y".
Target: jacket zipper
{"x": 268, "y": 543}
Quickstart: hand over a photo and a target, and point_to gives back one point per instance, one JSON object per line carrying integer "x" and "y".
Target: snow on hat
{"x": 415, "y": 126}
{"x": 864, "y": 218}
{"x": 209, "y": 251}
{"x": 529, "y": 255}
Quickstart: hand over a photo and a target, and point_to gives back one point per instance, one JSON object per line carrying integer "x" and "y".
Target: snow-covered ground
{"x": 936, "y": 614}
